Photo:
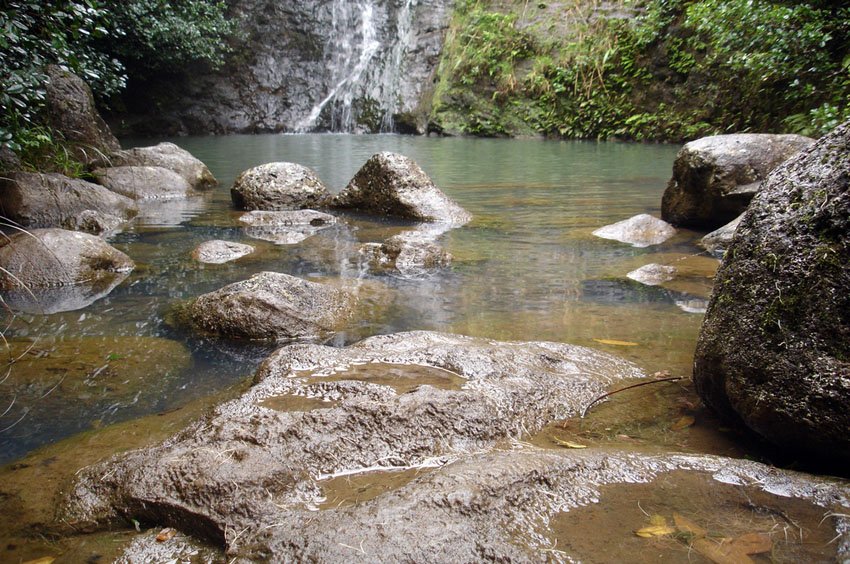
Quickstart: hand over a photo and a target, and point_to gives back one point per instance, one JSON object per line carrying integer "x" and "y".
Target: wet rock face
{"x": 775, "y": 343}
{"x": 279, "y": 186}
{"x": 714, "y": 178}
{"x": 52, "y": 200}
{"x": 390, "y": 184}
{"x": 271, "y": 306}
{"x": 392, "y": 401}
{"x": 639, "y": 231}
{"x": 219, "y": 252}
{"x": 169, "y": 156}
{"x": 71, "y": 111}
{"x": 56, "y": 257}
{"x": 290, "y": 61}
{"x": 144, "y": 182}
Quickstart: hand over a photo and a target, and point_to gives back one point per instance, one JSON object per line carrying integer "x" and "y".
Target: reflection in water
{"x": 57, "y": 299}
{"x": 526, "y": 267}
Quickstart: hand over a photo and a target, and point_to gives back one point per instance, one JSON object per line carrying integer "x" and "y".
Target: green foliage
{"x": 679, "y": 69}
{"x": 101, "y": 42}
{"x": 36, "y": 33}
{"x": 166, "y": 37}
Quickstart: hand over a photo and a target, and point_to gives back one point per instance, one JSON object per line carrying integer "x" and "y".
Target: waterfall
{"x": 365, "y": 59}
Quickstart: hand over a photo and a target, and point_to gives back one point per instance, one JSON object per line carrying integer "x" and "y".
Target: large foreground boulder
{"x": 393, "y": 185}
{"x": 271, "y": 306}
{"x": 402, "y": 401}
{"x": 144, "y": 182}
{"x": 279, "y": 186}
{"x": 714, "y": 178}
{"x": 36, "y": 200}
{"x": 71, "y": 111}
{"x": 774, "y": 349}
{"x": 169, "y": 156}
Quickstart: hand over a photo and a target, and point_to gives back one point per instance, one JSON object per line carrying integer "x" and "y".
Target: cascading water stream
{"x": 362, "y": 63}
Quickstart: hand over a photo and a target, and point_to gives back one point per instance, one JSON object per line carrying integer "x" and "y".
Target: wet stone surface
{"x": 530, "y": 505}
{"x": 247, "y": 463}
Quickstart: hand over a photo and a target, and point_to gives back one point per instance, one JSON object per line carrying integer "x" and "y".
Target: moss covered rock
{"x": 774, "y": 350}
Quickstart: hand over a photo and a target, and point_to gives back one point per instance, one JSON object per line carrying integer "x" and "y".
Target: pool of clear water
{"x": 526, "y": 268}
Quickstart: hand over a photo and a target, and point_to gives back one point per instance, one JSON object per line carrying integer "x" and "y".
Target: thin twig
{"x": 612, "y": 392}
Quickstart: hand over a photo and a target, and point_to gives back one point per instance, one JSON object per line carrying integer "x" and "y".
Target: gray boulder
{"x": 774, "y": 350}
{"x": 639, "y": 231}
{"x": 71, "y": 111}
{"x": 403, "y": 401}
{"x": 279, "y": 186}
{"x": 273, "y": 307}
{"x": 719, "y": 240}
{"x": 285, "y": 227}
{"x": 166, "y": 155}
{"x": 219, "y": 252}
{"x": 144, "y": 182}
{"x": 56, "y": 257}
{"x": 714, "y": 178}
{"x": 393, "y": 185}
{"x": 34, "y": 200}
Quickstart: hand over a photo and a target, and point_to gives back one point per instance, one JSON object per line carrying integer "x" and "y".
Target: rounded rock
{"x": 774, "y": 346}
{"x": 279, "y": 186}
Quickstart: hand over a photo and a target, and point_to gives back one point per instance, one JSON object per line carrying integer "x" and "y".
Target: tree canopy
{"x": 104, "y": 43}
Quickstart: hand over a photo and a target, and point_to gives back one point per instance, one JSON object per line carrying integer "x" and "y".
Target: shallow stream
{"x": 526, "y": 268}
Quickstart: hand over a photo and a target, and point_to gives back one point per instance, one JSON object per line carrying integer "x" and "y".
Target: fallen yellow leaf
{"x": 657, "y": 519}
{"x": 616, "y": 342}
{"x": 687, "y": 526}
{"x": 683, "y": 423}
{"x": 722, "y": 552}
{"x": 568, "y": 444}
{"x": 166, "y": 534}
{"x": 753, "y": 543}
{"x": 655, "y": 531}
{"x": 42, "y": 560}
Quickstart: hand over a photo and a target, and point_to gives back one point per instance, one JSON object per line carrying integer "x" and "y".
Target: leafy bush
{"x": 102, "y": 43}
{"x": 677, "y": 70}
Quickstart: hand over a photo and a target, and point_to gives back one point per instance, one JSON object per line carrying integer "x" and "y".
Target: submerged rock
{"x": 714, "y": 178}
{"x": 144, "y": 182}
{"x": 56, "y": 257}
{"x": 71, "y": 111}
{"x": 393, "y": 402}
{"x": 36, "y": 200}
{"x": 279, "y": 186}
{"x": 413, "y": 253}
{"x": 639, "y": 231}
{"x": 168, "y": 156}
{"x": 271, "y": 306}
{"x": 719, "y": 240}
{"x": 653, "y": 274}
{"x": 393, "y": 185}
{"x": 285, "y": 227}
{"x": 219, "y": 252}
{"x": 775, "y": 343}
